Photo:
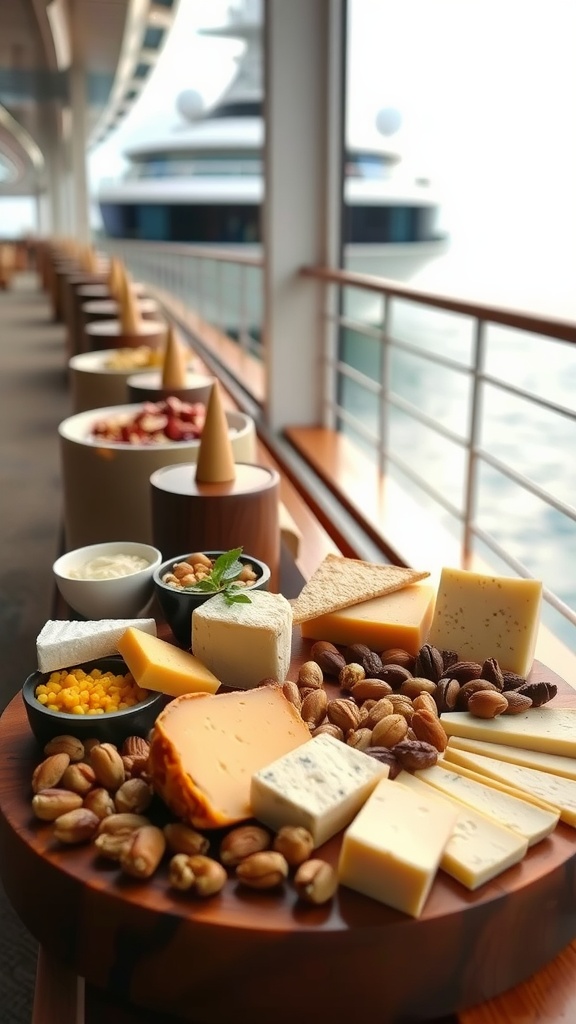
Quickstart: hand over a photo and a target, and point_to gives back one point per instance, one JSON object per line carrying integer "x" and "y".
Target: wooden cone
{"x": 115, "y": 278}
{"x": 129, "y": 314}
{"x": 90, "y": 260}
{"x": 215, "y": 455}
{"x": 175, "y": 362}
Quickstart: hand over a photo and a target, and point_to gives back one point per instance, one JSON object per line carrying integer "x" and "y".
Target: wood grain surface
{"x": 260, "y": 950}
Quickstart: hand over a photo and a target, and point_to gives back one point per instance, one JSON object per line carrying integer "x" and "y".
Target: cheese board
{"x": 266, "y": 951}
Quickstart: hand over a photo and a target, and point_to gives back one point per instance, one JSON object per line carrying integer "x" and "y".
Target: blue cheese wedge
{"x": 479, "y": 848}
{"x": 320, "y": 786}
{"x": 393, "y": 848}
{"x": 64, "y": 643}
{"x": 241, "y": 644}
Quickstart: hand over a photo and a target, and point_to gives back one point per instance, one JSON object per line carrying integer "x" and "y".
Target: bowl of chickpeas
{"x": 99, "y": 699}
{"x": 186, "y": 581}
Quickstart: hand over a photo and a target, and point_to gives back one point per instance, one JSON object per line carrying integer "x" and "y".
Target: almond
{"x": 49, "y": 772}
{"x": 343, "y": 713}
{"x": 487, "y": 704}
{"x": 370, "y": 689}
{"x": 517, "y": 702}
{"x": 389, "y": 731}
{"x": 428, "y": 727}
{"x": 313, "y": 708}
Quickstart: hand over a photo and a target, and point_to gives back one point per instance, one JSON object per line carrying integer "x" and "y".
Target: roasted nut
{"x": 89, "y": 745}
{"x": 134, "y": 767}
{"x": 313, "y": 708}
{"x": 381, "y": 709}
{"x": 209, "y": 876}
{"x": 135, "y": 746}
{"x": 100, "y": 802}
{"x": 398, "y": 656}
{"x": 446, "y": 695}
{"x": 111, "y": 847}
{"x": 473, "y": 686}
{"x": 350, "y": 675}
{"x": 539, "y": 693}
{"x": 328, "y": 657}
{"x": 415, "y": 685}
{"x": 493, "y": 673}
{"x": 343, "y": 713}
{"x": 360, "y": 738}
{"x": 108, "y": 766}
{"x": 310, "y": 674}
{"x": 413, "y": 755}
{"x": 134, "y": 796}
{"x": 428, "y": 727}
{"x": 396, "y": 675}
{"x": 426, "y": 702}
{"x": 357, "y": 653}
{"x": 389, "y": 731}
{"x": 512, "y": 681}
{"x": 263, "y": 870}
{"x": 292, "y": 693}
{"x": 295, "y": 843}
{"x": 429, "y": 663}
{"x": 449, "y": 658}
{"x": 329, "y": 729}
{"x": 65, "y": 745}
{"x": 80, "y": 778}
{"x": 370, "y": 689}
{"x": 386, "y": 756}
{"x": 517, "y": 702}
{"x": 180, "y": 873}
{"x": 465, "y": 671}
{"x": 49, "y": 772}
{"x": 372, "y": 665}
{"x": 77, "y": 826}
{"x": 49, "y": 804}
{"x": 143, "y": 851}
{"x": 315, "y": 881}
{"x": 487, "y": 703}
{"x": 402, "y": 705}
{"x": 242, "y": 842}
{"x": 122, "y": 824}
{"x": 180, "y": 838}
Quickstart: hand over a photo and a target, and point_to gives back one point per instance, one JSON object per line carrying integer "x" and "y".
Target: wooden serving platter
{"x": 265, "y": 952}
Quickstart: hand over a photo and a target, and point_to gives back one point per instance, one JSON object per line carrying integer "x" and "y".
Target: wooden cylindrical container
{"x": 109, "y": 309}
{"x": 147, "y": 387}
{"x": 95, "y": 292}
{"x": 70, "y": 306}
{"x": 191, "y": 516}
{"x": 109, "y": 334}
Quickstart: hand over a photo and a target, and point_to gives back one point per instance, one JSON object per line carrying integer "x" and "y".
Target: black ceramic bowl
{"x": 110, "y": 727}
{"x": 178, "y": 605}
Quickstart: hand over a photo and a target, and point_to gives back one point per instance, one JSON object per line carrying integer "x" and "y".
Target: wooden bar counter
{"x": 264, "y": 956}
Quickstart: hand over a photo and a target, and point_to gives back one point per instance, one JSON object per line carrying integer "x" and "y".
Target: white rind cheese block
{"x": 528, "y": 820}
{"x": 392, "y": 850}
{"x": 556, "y": 764}
{"x": 244, "y": 643}
{"x": 62, "y": 643}
{"x": 483, "y": 616}
{"x": 479, "y": 849}
{"x": 549, "y": 730}
{"x": 320, "y": 786}
{"x": 555, "y": 790}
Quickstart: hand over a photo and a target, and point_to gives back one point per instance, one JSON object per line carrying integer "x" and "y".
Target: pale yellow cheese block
{"x": 484, "y": 616}
{"x": 158, "y": 665}
{"x": 479, "y": 848}
{"x": 554, "y": 789}
{"x": 383, "y": 853}
{"x": 502, "y": 787}
{"x": 556, "y": 764}
{"x": 531, "y": 821}
{"x": 174, "y": 366}
{"x": 215, "y": 463}
{"x": 205, "y": 750}
{"x": 550, "y": 730}
{"x": 400, "y": 620}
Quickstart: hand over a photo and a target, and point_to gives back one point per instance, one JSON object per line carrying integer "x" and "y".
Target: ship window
{"x": 182, "y": 165}
{"x": 153, "y": 37}
{"x": 373, "y": 224}
{"x": 141, "y": 70}
{"x": 369, "y": 165}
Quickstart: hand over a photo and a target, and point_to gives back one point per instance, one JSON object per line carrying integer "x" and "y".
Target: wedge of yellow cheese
{"x": 487, "y": 617}
{"x": 158, "y": 665}
{"x": 205, "y": 750}
{"x": 401, "y": 619}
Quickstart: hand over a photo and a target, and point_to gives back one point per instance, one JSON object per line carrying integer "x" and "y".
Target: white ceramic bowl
{"x": 124, "y": 597}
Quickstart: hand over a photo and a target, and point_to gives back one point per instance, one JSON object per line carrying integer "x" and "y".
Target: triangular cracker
{"x": 341, "y": 582}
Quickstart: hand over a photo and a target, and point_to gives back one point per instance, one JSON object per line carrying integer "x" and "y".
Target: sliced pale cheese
{"x": 205, "y": 750}
{"x": 63, "y": 643}
{"x": 400, "y": 620}
{"x": 502, "y": 787}
{"x": 550, "y": 730}
{"x": 484, "y": 616}
{"x": 392, "y": 850}
{"x": 320, "y": 786}
{"x": 555, "y": 790}
{"x": 340, "y": 582}
{"x": 479, "y": 848}
{"x": 244, "y": 643}
{"x": 174, "y": 362}
{"x": 532, "y": 822}
{"x": 215, "y": 464}
{"x": 556, "y": 764}
{"x": 158, "y": 665}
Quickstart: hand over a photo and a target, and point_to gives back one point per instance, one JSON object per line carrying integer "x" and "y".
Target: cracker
{"x": 340, "y": 582}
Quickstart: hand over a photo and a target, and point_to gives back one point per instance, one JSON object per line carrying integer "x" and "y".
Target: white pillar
{"x": 78, "y": 102}
{"x": 303, "y": 73}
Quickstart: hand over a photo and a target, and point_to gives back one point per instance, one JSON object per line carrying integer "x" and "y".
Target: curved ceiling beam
{"x": 22, "y": 155}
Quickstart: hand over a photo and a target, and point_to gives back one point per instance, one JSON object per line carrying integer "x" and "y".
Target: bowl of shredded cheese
{"x": 111, "y": 580}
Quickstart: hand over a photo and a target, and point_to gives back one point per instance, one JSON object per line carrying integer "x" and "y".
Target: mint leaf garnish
{"x": 222, "y": 578}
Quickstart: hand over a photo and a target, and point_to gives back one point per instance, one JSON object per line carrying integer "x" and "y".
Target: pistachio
{"x": 315, "y": 881}
{"x": 295, "y": 843}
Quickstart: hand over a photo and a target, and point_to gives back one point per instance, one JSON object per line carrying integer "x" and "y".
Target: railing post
{"x": 473, "y": 441}
{"x": 384, "y": 411}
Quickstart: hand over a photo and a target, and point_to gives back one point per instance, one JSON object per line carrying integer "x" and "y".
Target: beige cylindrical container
{"x": 69, "y": 303}
{"x": 147, "y": 387}
{"x": 94, "y": 383}
{"x": 106, "y": 485}
{"x": 109, "y": 334}
{"x": 188, "y": 515}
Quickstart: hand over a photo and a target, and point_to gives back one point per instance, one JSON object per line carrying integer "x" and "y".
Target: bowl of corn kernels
{"x": 99, "y": 699}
